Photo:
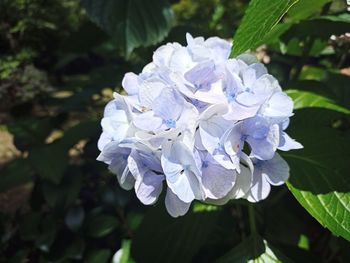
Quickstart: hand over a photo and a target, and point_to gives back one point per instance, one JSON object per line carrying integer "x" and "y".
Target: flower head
{"x": 199, "y": 125}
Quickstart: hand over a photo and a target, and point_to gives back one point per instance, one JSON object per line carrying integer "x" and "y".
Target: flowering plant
{"x": 199, "y": 124}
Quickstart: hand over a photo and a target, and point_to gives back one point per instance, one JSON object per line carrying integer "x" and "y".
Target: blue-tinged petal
{"x": 130, "y": 83}
{"x": 264, "y": 149}
{"x": 104, "y": 139}
{"x": 275, "y": 170}
{"x": 149, "y": 68}
{"x": 148, "y": 187}
{"x": 149, "y": 90}
{"x": 259, "y": 69}
{"x": 232, "y": 140}
{"x": 147, "y": 121}
{"x": 210, "y": 137}
{"x": 286, "y": 143}
{"x": 174, "y": 205}
{"x": 169, "y": 106}
{"x": 248, "y": 76}
{"x": 198, "y": 142}
{"x": 202, "y": 75}
{"x": 117, "y": 106}
{"x": 211, "y": 131}
{"x": 181, "y": 61}
{"x": 185, "y": 157}
{"x": 117, "y": 126}
{"x": 260, "y": 187}
{"x": 259, "y": 91}
{"x": 217, "y": 181}
{"x": 170, "y": 163}
{"x": 214, "y": 94}
{"x": 258, "y": 128}
{"x": 242, "y": 184}
{"x": 181, "y": 172}
{"x": 279, "y": 105}
{"x": 240, "y": 112}
{"x": 220, "y": 48}
{"x": 126, "y": 179}
{"x": 113, "y": 151}
{"x": 232, "y": 85}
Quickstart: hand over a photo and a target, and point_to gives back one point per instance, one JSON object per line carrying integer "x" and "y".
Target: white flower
{"x": 199, "y": 125}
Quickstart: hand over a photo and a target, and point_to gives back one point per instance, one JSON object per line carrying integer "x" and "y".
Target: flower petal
{"x": 174, "y": 205}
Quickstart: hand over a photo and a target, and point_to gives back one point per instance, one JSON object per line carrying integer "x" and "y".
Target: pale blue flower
{"x": 266, "y": 173}
{"x": 198, "y": 125}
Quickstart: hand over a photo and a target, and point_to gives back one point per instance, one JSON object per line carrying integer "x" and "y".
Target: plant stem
{"x": 252, "y": 223}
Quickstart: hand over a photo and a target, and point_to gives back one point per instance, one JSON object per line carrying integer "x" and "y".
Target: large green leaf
{"x": 320, "y": 172}
{"x": 161, "y": 238}
{"x": 331, "y": 25}
{"x": 133, "y": 23}
{"x": 261, "y": 16}
{"x": 254, "y": 249}
{"x": 333, "y": 92}
{"x": 306, "y": 99}
{"x": 306, "y": 8}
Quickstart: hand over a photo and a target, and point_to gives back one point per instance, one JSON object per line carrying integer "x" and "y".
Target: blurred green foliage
{"x": 57, "y": 71}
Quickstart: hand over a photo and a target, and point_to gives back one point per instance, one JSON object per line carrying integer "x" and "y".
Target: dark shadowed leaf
{"x": 99, "y": 256}
{"x": 132, "y": 23}
{"x": 319, "y": 172}
{"x": 101, "y": 225}
{"x": 331, "y": 25}
{"x": 75, "y": 249}
{"x": 161, "y": 238}
{"x": 30, "y": 132}
{"x": 254, "y": 249}
{"x": 15, "y": 173}
{"x": 64, "y": 194}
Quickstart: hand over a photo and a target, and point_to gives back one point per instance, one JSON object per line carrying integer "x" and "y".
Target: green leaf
{"x": 99, "y": 256}
{"x": 283, "y": 223}
{"x": 306, "y": 8}
{"x": 64, "y": 194}
{"x": 306, "y": 99}
{"x": 49, "y": 167}
{"x": 319, "y": 173}
{"x": 254, "y": 249}
{"x": 52, "y": 169}
{"x": 261, "y": 16}
{"x": 133, "y": 23}
{"x": 101, "y": 225}
{"x": 125, "y": 250}
{"x": 331, "y": 25}
{"x": 15, "y": 173}
{"x": 30, "y": 132}
{"x": 161, "y": 238}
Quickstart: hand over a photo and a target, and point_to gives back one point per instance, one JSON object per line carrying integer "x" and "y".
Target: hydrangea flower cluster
{"x": 198, "y": 125}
